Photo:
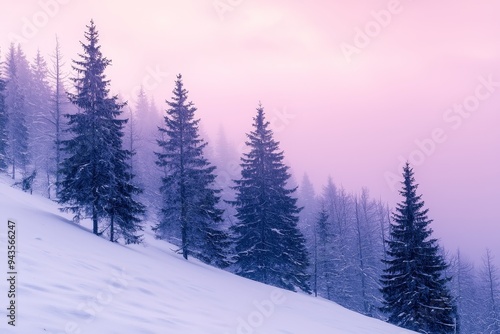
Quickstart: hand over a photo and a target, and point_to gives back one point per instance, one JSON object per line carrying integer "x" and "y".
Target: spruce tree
{"x": 307, "y": 225}
{"x": 17, "y": 109}
{"x": 190, "y": 217}
{"x": 3, "y": 126}
{"x": 414, "y": 288}
{"x": 269, "y": 246}
{"x": 146, "y": 133}
{"x": 228, "y": 168}
{"x": 135, "y": 138}
{"x": 39, "y": 120}
{"x": 328, "y": 246}
{"x": 96, "y": 179}
{"x": 319, "y": 251}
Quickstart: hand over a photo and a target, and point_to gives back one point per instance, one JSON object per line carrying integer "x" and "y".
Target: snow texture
{"x": 71, "y": 281}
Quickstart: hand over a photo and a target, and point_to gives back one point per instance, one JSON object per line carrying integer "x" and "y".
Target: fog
{"x": 352, "y": 89}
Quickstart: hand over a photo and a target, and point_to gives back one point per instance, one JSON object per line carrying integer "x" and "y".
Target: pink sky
{"x": 348, "y": 119}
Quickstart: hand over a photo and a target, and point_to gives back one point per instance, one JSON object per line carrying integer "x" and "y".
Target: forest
{"x": 132, "y": 167}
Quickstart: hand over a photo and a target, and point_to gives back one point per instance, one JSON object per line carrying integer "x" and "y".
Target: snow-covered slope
{"x": 70, "y": 281}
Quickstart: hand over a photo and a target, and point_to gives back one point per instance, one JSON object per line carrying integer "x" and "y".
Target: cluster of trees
{"x": 346, "y": 238}
{"x": 96, "y": 178}
{"x": 378, "y": 263}
{"x": 476, "y": 290}
{"x": 31, "y": 125}
{"x": 349, "y": 234}
{"x": 101, "y": 159}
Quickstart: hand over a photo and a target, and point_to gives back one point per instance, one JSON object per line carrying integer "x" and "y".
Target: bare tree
{"x": 491, "y": 290}
{"x": 59, "y": 103}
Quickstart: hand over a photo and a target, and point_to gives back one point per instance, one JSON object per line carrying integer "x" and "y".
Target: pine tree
{"x": 41, "y": 143}
{"x": 307, "y": 200}
{"x": 133, "y": 139}
{"x": 328, "y": 249}
{"x": 143, "y": 157}
{"x": 190, "y": 210}
{"x": 269, "y": 246}
{"x": 96, "y": 179}
{"x": 144, "y": 138}
{"x": 3, "y": 126}
{"x": 227, "y": 161}
{"x": 414, "y": 288}
{"x": 319, "y": 251}
{"x": 307, "y": 224}
{"x": 17, "y": 109}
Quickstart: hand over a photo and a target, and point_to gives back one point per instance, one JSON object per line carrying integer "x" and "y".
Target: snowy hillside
{"x": 70, "y": 281}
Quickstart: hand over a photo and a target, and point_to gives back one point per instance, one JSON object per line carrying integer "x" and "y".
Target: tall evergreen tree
{"x": 308, "y": 222}
{"x": 17, "y": 109}
{"x": 269, "y": 246}
{"x": 414, "y": 288}
{"x": 190, "y": 212}
{"x": 3, "y": 125}
{"x": 328, "y": 249}
{"x": 41, "y": 143}
{"x": 96, "y": 179}
{"x": 319, "y": 252}
{"x": 307, "y": 200}
{"x": 143, "y": 157}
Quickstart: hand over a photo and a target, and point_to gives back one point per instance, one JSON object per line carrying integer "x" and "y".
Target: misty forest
{"x": 136, "y": 167}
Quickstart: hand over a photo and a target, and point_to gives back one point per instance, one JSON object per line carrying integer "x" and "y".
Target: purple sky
{"x": 343, "y": 103}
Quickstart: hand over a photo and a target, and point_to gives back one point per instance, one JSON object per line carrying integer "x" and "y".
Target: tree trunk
{"x": 315, "y": 263}
{"x": 112, "y": 227}
{"x": 94, "y": 221}
{"x": 361, "y": 259}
